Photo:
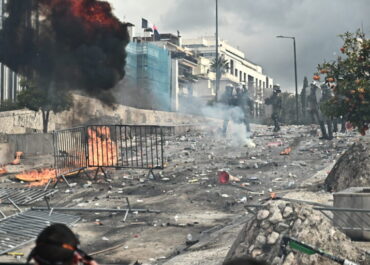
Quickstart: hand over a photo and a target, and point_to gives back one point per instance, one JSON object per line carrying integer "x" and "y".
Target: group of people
{"x": 58, "y": 245}
{"x": 237, "y": 97}
{"x": 319, "y": 94}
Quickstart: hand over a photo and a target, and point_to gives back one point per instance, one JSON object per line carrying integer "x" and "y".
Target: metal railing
{"x": 70, "y": 153}
{"x": 110, "y": 146}
{"x": 22, "y": 228}
{"x": 347, "y": 219}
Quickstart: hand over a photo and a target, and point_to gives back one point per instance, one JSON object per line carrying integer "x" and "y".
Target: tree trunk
{"x": 45, "y": 120}
{"x": 218, "y": 79}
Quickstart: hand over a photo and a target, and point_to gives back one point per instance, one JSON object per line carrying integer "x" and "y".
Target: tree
{"x": 351, "y": 74}
{"x": 223, "y": 66}
{"x": 34, "y": 98}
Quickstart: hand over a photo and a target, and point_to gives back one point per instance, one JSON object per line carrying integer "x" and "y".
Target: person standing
{"x": 245, "y": 103}
{"x": 227, "y": 99}
{"x": 313, "y": 100}
{"x": 276, "y": 103}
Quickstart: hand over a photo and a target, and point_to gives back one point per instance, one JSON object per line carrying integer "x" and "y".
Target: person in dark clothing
{"x": 58, "y": 245}
{"x": 227, "y": 99}
{"x": 276, "y": 102}
{"x": 326, "y": 96}
{"x": 245, "y": 103}
{"x": 313, "y": 100}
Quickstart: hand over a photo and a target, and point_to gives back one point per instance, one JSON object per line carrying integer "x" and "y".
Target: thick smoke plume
{"x": 66, "y": 44}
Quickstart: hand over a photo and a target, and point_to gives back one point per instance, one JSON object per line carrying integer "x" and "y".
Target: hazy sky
{"x": 252, "y": 26}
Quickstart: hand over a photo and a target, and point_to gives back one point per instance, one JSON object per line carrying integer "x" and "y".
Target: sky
{"x": 252, "y": 26}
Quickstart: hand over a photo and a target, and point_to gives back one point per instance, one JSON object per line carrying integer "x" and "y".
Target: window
{"x": 231, "y": 66}
{"x": 240, "y": 76}
{"x": 236, "y": 72}
{"x": 245, "y": 77}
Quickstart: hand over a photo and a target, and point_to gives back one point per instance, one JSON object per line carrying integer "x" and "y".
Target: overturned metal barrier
{"x": 353, "y": 222}
{"x": 109, "y": 146}
{"x": 23, "y": 196}
{"x": 22, "y": 228}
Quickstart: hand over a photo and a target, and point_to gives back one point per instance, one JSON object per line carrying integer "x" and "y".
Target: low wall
{"x": 32, "y": 144}
{"x": 91, "y": 111}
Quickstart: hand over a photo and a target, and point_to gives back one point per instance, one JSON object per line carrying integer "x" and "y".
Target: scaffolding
{"x": 148, "y": 67}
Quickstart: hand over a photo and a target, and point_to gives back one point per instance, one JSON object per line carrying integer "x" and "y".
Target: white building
{"x": 241, "y": 71}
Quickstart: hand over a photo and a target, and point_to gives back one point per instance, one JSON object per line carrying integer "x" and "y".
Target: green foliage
{"x": 351, "y": 74}
{"x": 222, "y": 63}
{"x": 34, "y": 98}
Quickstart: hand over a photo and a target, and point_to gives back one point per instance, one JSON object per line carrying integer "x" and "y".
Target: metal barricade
{"x": 69, "y": 150}
{"x": 110, "y": 146}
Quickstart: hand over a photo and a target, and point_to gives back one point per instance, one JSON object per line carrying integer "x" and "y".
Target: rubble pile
{"x": 352, "y": 169}
{"x": 262, "y": 235}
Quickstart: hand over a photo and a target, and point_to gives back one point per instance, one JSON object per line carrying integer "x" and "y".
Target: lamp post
{"x": 217, "y": 55}
{"x": 295, "y": 74}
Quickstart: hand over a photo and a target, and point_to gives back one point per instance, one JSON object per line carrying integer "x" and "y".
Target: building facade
{"x": 9, "y": 80}
{"x": 241, "y": 71}
{"x": 147, "y": 83}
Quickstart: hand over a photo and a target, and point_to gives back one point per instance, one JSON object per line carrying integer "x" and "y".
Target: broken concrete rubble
{"x": 262, "y": 234}
{"x": 352, "y": 169}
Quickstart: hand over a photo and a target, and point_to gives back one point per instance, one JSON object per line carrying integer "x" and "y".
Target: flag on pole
{"x": 157, "y": 36}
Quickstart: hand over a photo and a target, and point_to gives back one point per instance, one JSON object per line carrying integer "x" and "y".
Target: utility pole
{"x": 296, "y": 82}
{"x": 295, "y": 75}
{"x": 217, "y": 56}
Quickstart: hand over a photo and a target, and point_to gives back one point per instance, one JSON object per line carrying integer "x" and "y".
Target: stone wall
{"x": 91, "y": 111}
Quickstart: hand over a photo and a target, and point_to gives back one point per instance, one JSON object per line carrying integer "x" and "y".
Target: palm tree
{"x": 223, "y": 66}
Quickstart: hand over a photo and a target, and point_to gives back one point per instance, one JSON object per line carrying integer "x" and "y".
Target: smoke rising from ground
{"x": 236, "y": 134}
{"x": 74, "y": 45}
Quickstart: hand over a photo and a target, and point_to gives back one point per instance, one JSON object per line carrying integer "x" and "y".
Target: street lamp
{"x": 295, "y": 73}
{"x": 217, "y": 55}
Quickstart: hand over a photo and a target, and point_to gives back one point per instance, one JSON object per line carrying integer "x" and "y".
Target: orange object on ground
{"x": 273, "y": 195}
{"x": 17, "y": 159}
{"x": 286, "y": 151}
{"x": 37, "y": 177}
{"x": 3, "y": 171}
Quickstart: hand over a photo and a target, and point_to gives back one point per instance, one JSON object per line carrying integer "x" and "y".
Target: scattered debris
{"x": 262, "y": 235}
{"x": 286, "y": 151}
{"x": 225, "y": 178}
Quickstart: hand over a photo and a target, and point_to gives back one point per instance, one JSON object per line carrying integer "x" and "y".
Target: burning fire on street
{"x": 102, "y": 150}
{"x": 37, "y": 177}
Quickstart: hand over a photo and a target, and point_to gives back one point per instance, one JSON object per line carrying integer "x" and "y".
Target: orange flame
{"x": 37, "y": 177}
{"x": 102, "y": 150}
{"x": 286, "y": 151}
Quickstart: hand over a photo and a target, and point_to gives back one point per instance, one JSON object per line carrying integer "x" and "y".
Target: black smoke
{"x": 67, "y": 44}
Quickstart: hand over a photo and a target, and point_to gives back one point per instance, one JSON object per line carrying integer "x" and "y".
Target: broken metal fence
{"x": 110, "y": 146}
{"x": 22, "y": 228}
{"x": 347, "y": 219}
